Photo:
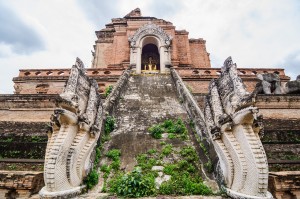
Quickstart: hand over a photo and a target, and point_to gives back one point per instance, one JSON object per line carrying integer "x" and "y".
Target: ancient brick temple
{"x": 146, "y": 45}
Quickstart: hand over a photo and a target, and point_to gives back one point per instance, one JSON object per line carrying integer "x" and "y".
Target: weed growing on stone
{"x": 175, "y": 129}
{"x": 156, "y": 131}
{"x": 134, "y": 184}
{"x": 108, "y": 90}
{"x": 12, "y": 167}
{"x": 152, "y": 151}
{"x": 208, "y": 165}
{"x": 92, "y": 179}
{"x": 109, "y": 125}
{"x": 114, "y": 154}
{"x": 7, "y": 140}
{"x": 167, "y": 149}
{"x": 189, "y": 154}
{"x": 185, "y": 177}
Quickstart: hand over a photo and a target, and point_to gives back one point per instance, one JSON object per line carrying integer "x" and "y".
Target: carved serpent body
{"x": 227, "y": 128}
{"x": 229, "y": 116}
{"x": 76, "y": 127}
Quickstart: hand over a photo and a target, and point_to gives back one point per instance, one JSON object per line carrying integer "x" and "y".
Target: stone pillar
{"x": 162, "y": 59}
{"x": 138, "y": 62}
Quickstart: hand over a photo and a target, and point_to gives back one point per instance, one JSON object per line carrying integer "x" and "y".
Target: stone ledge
{"x": 24, "y": 182}
{"x": 285, "y": 183}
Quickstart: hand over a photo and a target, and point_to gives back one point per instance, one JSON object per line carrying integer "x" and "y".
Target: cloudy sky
{"x": 52, "y": 33}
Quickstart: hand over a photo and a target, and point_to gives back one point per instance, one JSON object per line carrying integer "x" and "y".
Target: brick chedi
{"x": 133, "y": 45}
{"x": 132, "y": 41}
{"x": 112, "y": 48}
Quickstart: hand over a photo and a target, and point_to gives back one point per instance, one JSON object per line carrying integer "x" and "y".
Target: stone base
{"x": 234, "y": 194}
{"x": 44, "y": 194}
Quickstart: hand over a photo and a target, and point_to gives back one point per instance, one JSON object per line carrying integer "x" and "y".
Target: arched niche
{"x": 145, "y": 37}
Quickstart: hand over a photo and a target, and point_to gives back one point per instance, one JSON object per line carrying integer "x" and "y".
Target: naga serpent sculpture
{"x": 230, "y": 117}
{"x": 76, "y": 126}
{"x": 229, "y": 127}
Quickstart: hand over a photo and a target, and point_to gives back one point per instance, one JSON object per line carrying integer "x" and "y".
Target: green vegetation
{"x": 184, "y": 172}
{"x": 108, "y": 90}
{"x": 12, "y": 167}
{"x": 92, "y": 179}
{"x": 109, "y": 125}
{"x": 183, "y": 183}
{"x": 189, "y": 154}
{"x": 114, "y": 154}
{"x": 156, "y": 131}
{"x": 7, "y": 140}
{"x": 134, "y": 184}
{"x": 35, "y": 139}
{"x": 175, "y": 129}
{"x": 167, "y": 149}
{"x": 208, "y": 165}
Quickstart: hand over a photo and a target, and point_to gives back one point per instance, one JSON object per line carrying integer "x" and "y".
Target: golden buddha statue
{"x": 151, "y": 65}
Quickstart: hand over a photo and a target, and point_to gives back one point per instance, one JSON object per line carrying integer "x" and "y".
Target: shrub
{"x": 92, "y": 179}
{"x": 108, "y": 90}
{"x": 156, "y": 131}
{"x": 105, "y": 168}
{"x": 171, "y": 136}
{"x": 169, "y": 169}
{"x": 184, "y": 184}
{"x": 115, "y": 165}
{"x": 152, "y": 151}
{"x": 174, "y": 129}
{"x": 167, "y": 150}
{"x": 167, "y": 123}
{"x": 134, "y": 184}
{"x": 114, "y": 154}
{"x": 109, "y": 125}
{"x": 97, "y": 157}
{"x": 189, "y": 154}
{"x": 144, "y": 162}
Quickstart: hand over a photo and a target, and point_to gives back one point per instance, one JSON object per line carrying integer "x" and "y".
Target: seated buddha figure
{"x": 151, "y": 65}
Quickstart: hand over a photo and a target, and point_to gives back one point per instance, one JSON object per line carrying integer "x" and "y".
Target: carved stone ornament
{"x": 270, "y": 84}
{"x": 150, "y": 29}
{"x": 230, "y": 127}
{"x": 230, "y": 117}
{"x": 76, "y": 126}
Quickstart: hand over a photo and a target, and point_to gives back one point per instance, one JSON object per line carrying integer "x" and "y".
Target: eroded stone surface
{"x": 148, "y": 100}
{"x": 75, "y": 128}
{"x": 21, "y": 184}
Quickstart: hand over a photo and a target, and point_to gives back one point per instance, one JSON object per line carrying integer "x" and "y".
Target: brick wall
{"x": 199, "y": 55}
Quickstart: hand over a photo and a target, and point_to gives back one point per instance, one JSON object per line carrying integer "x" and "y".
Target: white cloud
{"x": 255, "y": 33}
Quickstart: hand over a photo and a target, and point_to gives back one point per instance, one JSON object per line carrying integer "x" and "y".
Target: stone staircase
{"x": 147, "y": 100}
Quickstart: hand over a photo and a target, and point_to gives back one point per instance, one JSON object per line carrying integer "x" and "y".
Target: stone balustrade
{"x": 66, "y": 72}
{"x": 215, "y": 72}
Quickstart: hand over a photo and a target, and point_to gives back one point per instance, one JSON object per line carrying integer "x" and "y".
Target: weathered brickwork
{"x": 200, "y": 58}
{"x": 112, "y": 46}
{"x": 26, "y": 108}
{"x": 26, "y": 113}
{"x": 20, "y": 184}
{"x": 285, "y": 185}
